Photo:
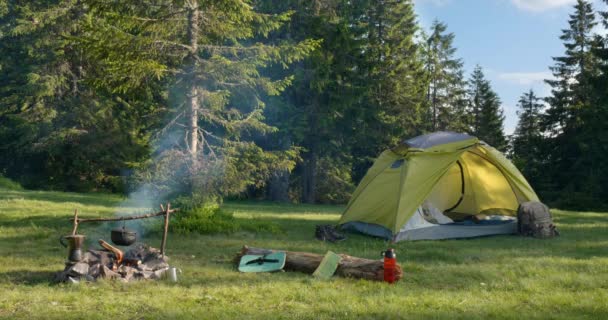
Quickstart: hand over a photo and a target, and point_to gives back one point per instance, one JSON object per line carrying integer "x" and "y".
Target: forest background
{"x": 285, "y": 100}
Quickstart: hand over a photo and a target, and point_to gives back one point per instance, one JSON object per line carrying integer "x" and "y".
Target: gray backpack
{"x": 534, "y": 220}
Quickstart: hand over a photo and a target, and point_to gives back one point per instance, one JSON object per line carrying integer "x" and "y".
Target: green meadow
{"x": 505, "y": 277}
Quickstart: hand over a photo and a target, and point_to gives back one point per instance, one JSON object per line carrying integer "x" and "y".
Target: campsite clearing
{"x": 498, "y": 277}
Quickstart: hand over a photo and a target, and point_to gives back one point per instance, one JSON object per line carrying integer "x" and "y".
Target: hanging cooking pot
{"x": 123, "y": 236}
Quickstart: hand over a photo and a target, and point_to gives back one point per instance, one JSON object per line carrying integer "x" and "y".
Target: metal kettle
{"x": 75, "y": 243}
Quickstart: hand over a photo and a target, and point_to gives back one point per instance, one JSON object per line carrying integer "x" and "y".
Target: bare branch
{"x": 211, "y": 134}
{"x": 212, "y": 153}
{"x": 171, "y": 123}
{"x": 156, "y": 20}
{"x": 228, "y": 48}
{"x": 171, "y": 43}
{"x": 186, "y": 140}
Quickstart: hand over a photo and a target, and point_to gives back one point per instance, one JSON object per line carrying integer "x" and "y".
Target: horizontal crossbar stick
{"x": 143, "y": 216}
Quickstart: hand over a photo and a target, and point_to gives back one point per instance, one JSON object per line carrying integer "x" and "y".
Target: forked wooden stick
{"x": 165, "y": 229}
{"x": 75, "y": 222}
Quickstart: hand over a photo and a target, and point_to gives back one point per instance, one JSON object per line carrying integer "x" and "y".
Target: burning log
{"x": 117, "y": 252}
{"x": 349, "y": 266}
{"x": 131, "y": 262}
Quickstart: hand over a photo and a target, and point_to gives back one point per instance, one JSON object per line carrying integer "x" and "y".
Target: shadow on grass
{"x": 28, "y": 277}
{"x": 63, "y": 197}
{"x": 573, "y": 219}
{"x": 482, "y": 312}
{"x": 279, "y": 208}
{"x": 37, "y": 221}
{"x": 64, "y": 224}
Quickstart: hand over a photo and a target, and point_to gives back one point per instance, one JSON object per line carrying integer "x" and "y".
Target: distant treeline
{"x": 285, "y": 100}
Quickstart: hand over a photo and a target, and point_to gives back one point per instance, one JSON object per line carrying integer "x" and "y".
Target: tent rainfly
{"x": 453, "y": 174}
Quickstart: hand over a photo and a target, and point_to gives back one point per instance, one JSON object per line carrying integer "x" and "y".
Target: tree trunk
{"x": 309, "y": 189}
{"x": 434, "y": 104}
{"x": 309, "y": 174}
{"x": 349, "y": 267}
{"x": 193, "y": 98}
{"x": 278, "y": 185}
{"x": 193, "y": 117}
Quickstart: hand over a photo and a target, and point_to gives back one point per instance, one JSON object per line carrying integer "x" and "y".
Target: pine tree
{"x": 309, "y": 113}
{"x": 571, "y": 107}
{"x": 595, "y": 132}
{"x": 573, "y": 71}
{"x": 446, "y": 90}
{"x": 57, "y": 131}
{"x": 390, "y": 93}
{"x": 359, "y": 93}
{"x": 210, "y": 54}
{"x": 527, "y": 140}
{"x": 89, "y": 83}
{"x": 487, "y": 115}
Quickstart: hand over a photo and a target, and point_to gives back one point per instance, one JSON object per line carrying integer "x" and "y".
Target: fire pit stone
{"x": 78, "y": 270}
{"x": 140, "y": 263}
{"x": 107, "y": 273}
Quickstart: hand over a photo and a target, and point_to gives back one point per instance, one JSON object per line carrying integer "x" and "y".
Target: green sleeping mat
{"x": 328, "y": 266}
{"x": 262, "y": 263}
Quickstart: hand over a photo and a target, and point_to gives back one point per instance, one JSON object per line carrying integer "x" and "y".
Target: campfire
{"x": 138, "y": 262}
{"x": 141, "y": 262}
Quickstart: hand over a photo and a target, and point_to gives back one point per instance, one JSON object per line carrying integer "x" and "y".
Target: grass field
{"x": 498, "y": 277}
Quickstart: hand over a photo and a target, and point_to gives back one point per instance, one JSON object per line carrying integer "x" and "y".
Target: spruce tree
{"x": 446, "y": 86}
{"x": 572, "y": 72}
{"x": 571, "y": 108}
{"x": 91, "y": 84}
{"x": 486, "y": 112}
{"x": 389, "y": 67}
{"x": 595, "y": 118}
{"x": 310, "y": 112}
{"x": 59, "y": 131}
{"x": 210, "y": 55}
{"x": 359, "y": 93}
{"x": 527, "y": 140}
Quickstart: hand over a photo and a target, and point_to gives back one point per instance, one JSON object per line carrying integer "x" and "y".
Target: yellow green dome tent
{"x": 452, "y": 173}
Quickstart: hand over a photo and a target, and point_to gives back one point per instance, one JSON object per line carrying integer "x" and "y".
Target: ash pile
{"x": 140, "y": 262}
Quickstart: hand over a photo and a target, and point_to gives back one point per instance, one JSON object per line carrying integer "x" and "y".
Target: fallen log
{"x": 349, "y": 267}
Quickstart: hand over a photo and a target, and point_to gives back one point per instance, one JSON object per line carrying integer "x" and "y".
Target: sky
{"x": 512, "y": 40}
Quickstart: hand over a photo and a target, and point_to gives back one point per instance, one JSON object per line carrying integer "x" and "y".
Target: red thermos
{"x": 390, "y": 264}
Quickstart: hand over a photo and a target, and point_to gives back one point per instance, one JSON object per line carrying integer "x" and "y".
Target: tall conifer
{"x": 389, "y": 70}
{"x": 570, "y": 102}
{"x": 446, "y": 86}
{"x": 486, "y": 112}
{"x": 527, "y": 140}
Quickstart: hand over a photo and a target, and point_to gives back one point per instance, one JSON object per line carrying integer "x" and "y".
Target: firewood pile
{"x": 140, "y": 262}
